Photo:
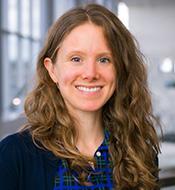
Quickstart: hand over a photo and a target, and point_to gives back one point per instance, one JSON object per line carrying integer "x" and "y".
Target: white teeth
{"x": 88, "y": 89}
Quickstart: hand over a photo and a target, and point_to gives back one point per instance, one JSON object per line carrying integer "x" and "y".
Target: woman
{"x": 89, "y": 119}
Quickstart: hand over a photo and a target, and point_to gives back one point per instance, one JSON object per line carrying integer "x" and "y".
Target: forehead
{"x": 85, "y": 35}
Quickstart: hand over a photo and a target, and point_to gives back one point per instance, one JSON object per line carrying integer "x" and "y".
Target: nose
{"x": 90, "y": 71}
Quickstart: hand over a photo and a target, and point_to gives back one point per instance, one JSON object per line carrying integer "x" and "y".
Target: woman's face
{"x": 84, "y": 69}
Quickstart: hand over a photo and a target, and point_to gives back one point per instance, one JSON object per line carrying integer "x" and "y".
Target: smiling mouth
{"x": 89, "y": 89}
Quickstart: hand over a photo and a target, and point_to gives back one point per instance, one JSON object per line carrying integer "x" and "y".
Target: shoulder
{"x": 14, "y": 145}
{"x": 11, "y": 157}
{"x": 21, "y": 142}
{"x": 20, "y": 145}
{"x": 21, "y": 162}
{"x": 11, "y": 139}
{"x": 15, "y": 140}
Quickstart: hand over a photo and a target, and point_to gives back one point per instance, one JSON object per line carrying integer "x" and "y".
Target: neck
{"x": 90, "y": 132}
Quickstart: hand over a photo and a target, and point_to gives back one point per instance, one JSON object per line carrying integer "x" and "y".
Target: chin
{"x": 91, "y": 108}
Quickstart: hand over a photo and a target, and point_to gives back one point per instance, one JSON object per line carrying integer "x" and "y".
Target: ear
{"x": 50, "y": 68}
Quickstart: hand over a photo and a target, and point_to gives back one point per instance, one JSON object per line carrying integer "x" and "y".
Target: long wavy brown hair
{"x": 127, "y": 115}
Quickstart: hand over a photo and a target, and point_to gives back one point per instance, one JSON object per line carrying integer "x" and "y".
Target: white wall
{"x": 154, "y": 28}
{"x": 61, "y": 6}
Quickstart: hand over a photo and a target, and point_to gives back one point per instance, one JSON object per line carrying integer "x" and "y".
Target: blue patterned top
{"x": 100, "y": 177}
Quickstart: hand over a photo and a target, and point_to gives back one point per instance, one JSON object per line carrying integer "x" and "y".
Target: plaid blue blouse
{"x": 100, "y": 177}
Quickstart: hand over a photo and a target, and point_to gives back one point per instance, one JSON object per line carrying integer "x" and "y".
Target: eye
{"x": 104, "y": 60}
{"x": 76, "y": 59}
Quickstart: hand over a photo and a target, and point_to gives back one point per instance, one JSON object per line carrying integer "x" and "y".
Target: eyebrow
{"x": 75, "y": 52}
{"x": 108, "y": 53}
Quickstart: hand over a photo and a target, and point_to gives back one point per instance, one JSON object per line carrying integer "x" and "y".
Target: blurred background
{"x": 23, "y": 26}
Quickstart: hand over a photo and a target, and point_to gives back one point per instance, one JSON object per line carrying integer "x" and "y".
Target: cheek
{"x": 110, "y": 76}
{"x": 66, "y": 76}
